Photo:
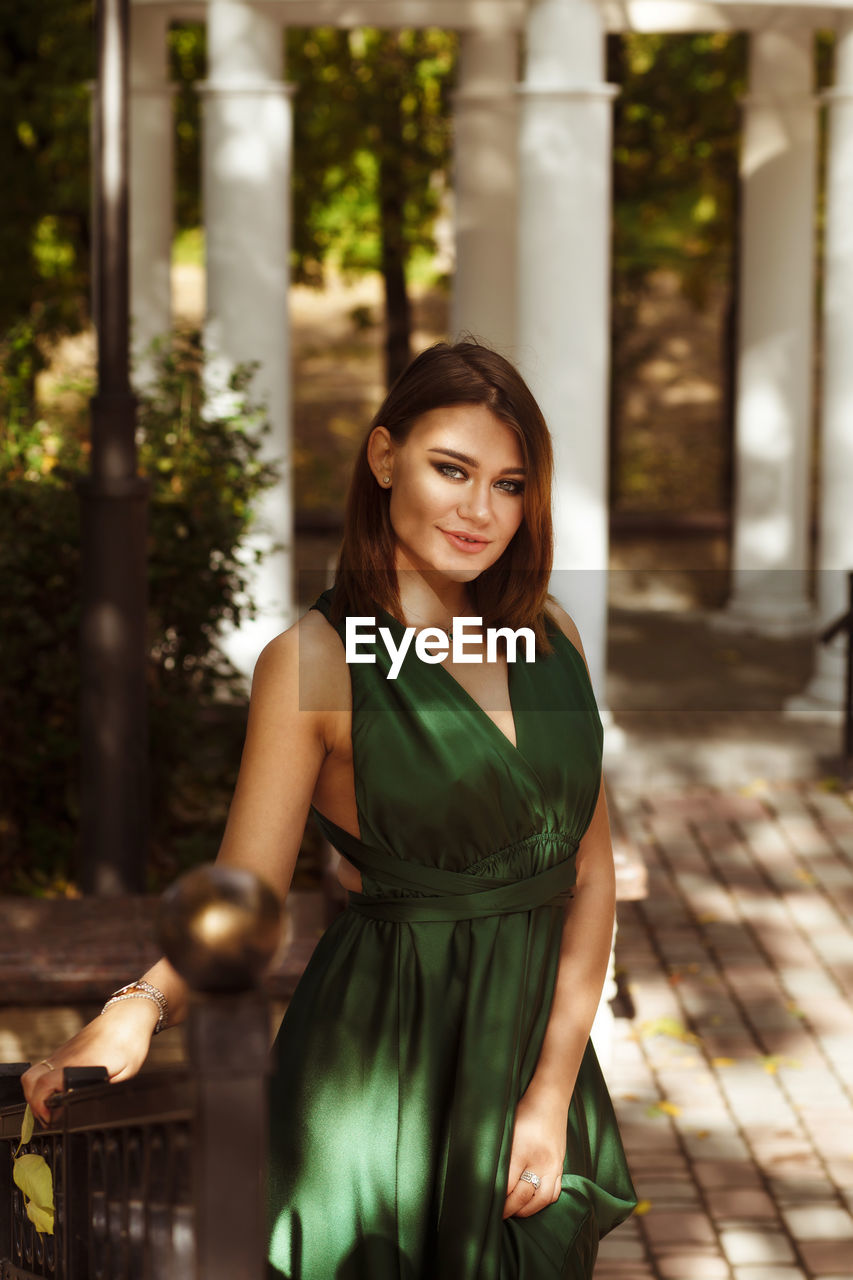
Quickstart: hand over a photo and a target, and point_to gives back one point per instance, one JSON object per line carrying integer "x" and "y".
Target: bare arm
{"x": 284, "y": 751}
{"x": 540, "y": 1129}
{"x": 286, "y": 745}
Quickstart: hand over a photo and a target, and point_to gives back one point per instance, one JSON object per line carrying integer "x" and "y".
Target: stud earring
{"x": 386, "y": 479}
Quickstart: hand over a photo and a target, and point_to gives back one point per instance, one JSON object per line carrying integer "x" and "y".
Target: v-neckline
{"x": 513, "y": 746}
{"x": 478, "y": 707}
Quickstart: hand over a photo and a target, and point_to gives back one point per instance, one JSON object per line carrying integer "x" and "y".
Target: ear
{"x": 380, "y": 456}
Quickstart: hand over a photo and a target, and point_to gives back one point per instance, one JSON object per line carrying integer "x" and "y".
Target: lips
{"x": 466, "y": 542}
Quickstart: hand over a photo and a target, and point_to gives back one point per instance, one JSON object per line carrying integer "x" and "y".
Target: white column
{"x": 151, "y": 184}
{"x": 770, "y": 553}
{"x": 564, "y": 289}
{"x": 825, "y": 693}
{"x": 246, "y": 161}
{"x": 485, "y": 188}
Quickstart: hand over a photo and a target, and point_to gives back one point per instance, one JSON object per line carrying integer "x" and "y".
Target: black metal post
{"x": 845, "y": 624}
{"x": 848, "y": 704}
{"x": 114, "y": 782}
{"x": 228, "y": 1050}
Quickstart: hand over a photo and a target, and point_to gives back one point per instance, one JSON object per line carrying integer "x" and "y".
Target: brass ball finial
{"x": 220, "y": 927}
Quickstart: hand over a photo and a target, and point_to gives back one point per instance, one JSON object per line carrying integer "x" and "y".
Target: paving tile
{"x": 769, "y": 1273}
{"x": 827, "y": 1256}
{"x": 624, "y": 1269}
{"x": 693, "y": 1266}
{"x": 747, "y": 1244}
{"x": 740, "y": 1204}
{"x": 797, "y": 1190}
{"x": 615, "y": 1248}
{"x": 678, "y": 1226}
{"x": 820, "y": 1222}
{"x": 747, "y": 941}
{"x": 726, "y": 1173}
{"x": 670, "y": 1191}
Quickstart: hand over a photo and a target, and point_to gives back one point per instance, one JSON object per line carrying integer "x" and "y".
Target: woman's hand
{"x": 118, "y": 1040}
{"x": 538, "y": 1144}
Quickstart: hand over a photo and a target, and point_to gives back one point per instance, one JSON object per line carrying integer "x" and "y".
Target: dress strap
{"x": 454, "y": 895}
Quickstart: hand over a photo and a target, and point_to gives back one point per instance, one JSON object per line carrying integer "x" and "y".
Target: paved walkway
{"x": 733, "y": 1074}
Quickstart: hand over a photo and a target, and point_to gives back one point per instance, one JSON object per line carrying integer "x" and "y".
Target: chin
{"x": 461, "y": 575}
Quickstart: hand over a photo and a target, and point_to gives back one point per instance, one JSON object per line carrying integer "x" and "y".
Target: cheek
{"x": 420, "y": 496}
{"x": 514, "y": 520}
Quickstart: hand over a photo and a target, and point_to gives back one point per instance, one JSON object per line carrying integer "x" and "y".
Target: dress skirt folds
{"x": 418, "y": 1022}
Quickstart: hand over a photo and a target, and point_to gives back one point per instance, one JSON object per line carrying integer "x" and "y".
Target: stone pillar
{"x": 773, "y": 412}
{"x": 151, "y": 184}
{"x": 825, "y": 693}
{"x": 564, "y": 289}
{"x": 246, "y": 161}
{"x": 485, "y": 188}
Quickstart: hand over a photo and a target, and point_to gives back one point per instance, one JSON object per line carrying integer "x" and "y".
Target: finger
{"x": 48, "y": 1082}
{"x": 516, "y": 1169}
{"x": 540, "y": 1199}
{"x": 521, "y": 1195}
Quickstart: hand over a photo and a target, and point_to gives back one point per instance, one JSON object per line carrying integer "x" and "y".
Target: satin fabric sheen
{"x": 417, "y": 1024}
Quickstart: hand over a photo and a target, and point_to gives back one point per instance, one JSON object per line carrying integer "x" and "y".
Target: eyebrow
{"x": 472, "y": 462}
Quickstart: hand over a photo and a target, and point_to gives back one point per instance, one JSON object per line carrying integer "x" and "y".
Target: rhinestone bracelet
{"x": 142, "y": 990}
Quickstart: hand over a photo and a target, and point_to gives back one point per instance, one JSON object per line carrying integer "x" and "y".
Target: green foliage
{"x": 46, "y": 60}
{"x": 205, "y": 473}
{"x": 676, "y": 141}
{"x": 351, "y": 88}
{"x": 366, "y": 99}
{"x": 187, "y": 66}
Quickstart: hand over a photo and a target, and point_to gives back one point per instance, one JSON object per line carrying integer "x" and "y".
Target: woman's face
{"x": 457, "y": 486}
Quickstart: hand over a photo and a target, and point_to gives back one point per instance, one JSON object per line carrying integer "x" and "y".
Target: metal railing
{"x": 845, "y": 624}
{"x": 161, "y": 1177}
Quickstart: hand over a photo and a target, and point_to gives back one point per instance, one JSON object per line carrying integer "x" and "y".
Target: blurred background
{"x": 644, "y": 205}
{"x": 637, "y": 217}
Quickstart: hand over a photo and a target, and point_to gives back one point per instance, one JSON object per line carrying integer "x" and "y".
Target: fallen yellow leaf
{"x": 664, "y": 1109}
{"x": 32, "y": 1174}
{"x": 670, "y": 1108}
{"x": 754, "y": 788}
{"x": 668, "y": 1027}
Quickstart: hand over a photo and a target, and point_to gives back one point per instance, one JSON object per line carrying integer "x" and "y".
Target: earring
{"x": 386, "y": 479}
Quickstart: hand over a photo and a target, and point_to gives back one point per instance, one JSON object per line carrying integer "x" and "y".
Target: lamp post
{"x": 114, "y": 751}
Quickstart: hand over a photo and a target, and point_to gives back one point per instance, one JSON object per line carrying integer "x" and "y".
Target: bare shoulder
{"x": 305, "y": 666}
{"x": 566, "y": 625}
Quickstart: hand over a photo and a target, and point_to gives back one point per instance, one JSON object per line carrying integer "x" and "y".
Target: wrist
{"x": 142, "y": 990}
{"x": 136, "y": 1013}
{"x": 550, "y": 1096}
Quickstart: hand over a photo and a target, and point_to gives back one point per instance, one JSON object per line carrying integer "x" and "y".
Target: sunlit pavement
{"x": 733, "y": 1076}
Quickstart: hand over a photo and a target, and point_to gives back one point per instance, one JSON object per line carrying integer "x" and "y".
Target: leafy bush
{"x": 206, "y": 473}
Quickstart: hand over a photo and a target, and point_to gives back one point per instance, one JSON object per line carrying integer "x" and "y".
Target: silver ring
{"x": 531, "y": 1177}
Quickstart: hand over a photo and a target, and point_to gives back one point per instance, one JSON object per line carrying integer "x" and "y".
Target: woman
{"x": 436, "y": 1107}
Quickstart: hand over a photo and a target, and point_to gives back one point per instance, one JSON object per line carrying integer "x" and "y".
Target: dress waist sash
{"x": 454, "y": 895}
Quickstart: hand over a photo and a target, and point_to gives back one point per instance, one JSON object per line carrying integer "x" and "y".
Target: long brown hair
{"x": 512, "y": 591}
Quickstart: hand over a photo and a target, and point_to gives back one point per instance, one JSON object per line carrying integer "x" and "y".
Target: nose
{"x": 475, "y": 502}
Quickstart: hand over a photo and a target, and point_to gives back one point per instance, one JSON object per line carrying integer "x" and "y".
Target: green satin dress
{"x": 417, "y": 1024}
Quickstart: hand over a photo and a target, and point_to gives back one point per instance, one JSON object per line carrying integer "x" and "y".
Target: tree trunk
{"x": 398, "y": 313}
